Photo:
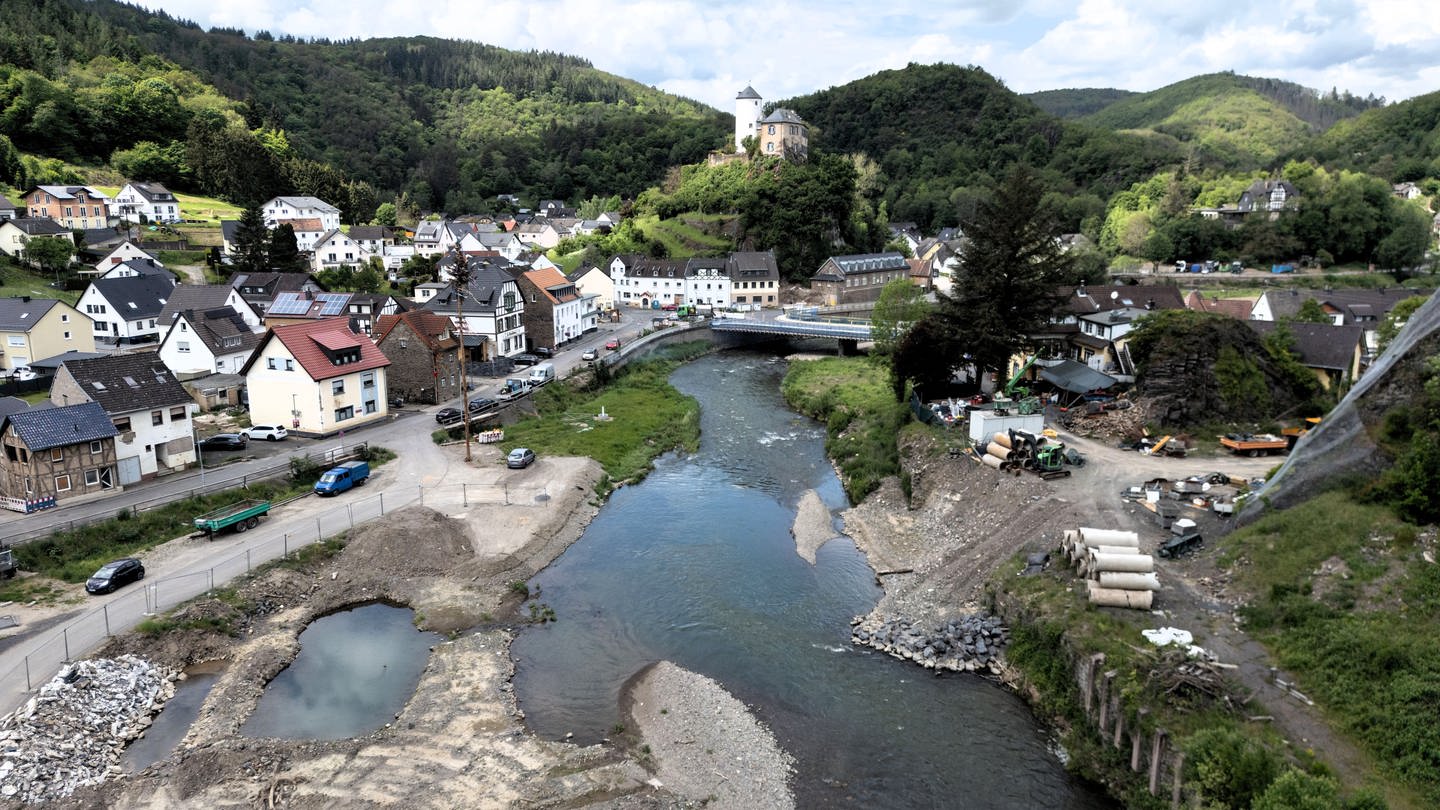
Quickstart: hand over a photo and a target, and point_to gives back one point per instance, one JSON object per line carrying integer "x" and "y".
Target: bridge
{"x": 849, "y": 333}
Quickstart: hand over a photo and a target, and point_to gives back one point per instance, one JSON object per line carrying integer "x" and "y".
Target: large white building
{"x": 747, "y": 116}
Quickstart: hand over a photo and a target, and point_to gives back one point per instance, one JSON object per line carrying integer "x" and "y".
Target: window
{"x": 64, "y": 318}
{"x": 347, "y": 412}
{"x": 337, "y": 387}
{"x": 67, "y": 334}
{"x": 157, "y": 417}
{"x": 62, "y": 483}
{"x": 57, "y": 454}
{"x": 97, "y": 447}
{"x": 182, "y": 346}
{"x": 184, "y": 327}
{"x": 92, "y": 477}
{"x": 770, "y": 130}
{"x": 122, "y": 424}
{"x": 289, "y": 365}
{"x": 16, "y": 340}
{"x": 371, "y": 406}
{"x": 270, "y": 363}
{"x": 177, "y": 413}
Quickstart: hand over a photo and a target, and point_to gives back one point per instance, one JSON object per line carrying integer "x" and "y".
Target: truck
{"x": 1255, "y": 444}
{"x": 514, "y": 388}
{"x": 242, "y": 516}
{"x": 541, "y": 374}
{"x": 338, "y": 479}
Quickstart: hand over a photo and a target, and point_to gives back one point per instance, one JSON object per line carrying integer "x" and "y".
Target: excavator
{"x": 1016, "y": 396}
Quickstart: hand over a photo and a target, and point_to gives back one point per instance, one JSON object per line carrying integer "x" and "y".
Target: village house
{"x": 299, "y": 307}
{"x": 554, "y": 309}
{"x": 365, "y": 308}
{"x": 33, "y": 329}
{"x": 54, "y": 455}
{"x": 754, "y": 278}
{"x": 147, "y": 405}
{"x": 420, "y": 346}
{"x": 201, "y": 342}
{"x": 1345, "y": 307}
{"x": 209, "y": 296}
{"x": 492, "y": 307}
{"x": 1333, "y": 353}
{"x": 1086, "y": 330}
{"x": 145, "y": 202}
{"x": 857, "y": 279}
{"x": 126, "y": 251}
{"x": 335, "y": 249}
{"x": 641, "y": 281}
{"x": 15, "y": 234}
{"x": 126, "y": 310}
{"x": 707, "y": 282}
{"x": 260, "y": 289}
{"x": 289, "y": 209}
{"x": 75, "y": 207}
{"x": 7, "y": 208}
{"x": 376, "y": 239}
{"x": 594, "y": 283}
{"x": 132, "y": 268}
{"x": 319, "y": 377}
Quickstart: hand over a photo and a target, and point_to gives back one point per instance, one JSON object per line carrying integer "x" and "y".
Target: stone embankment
{"x": 72, "y": 733}
{"x": 967, "y": 644}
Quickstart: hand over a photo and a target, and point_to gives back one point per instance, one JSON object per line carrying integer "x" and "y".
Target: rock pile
{"x": 967, "y": 644}
{"x": 71, "y": 734}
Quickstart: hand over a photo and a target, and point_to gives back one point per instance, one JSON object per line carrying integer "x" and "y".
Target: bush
{"x": 305, "y": 471}
{"x": 1228, "y": 768}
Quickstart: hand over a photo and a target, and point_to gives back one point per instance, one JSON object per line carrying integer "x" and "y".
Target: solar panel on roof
{"x": 332, "y": 303}
{"x": 289, "y": 304}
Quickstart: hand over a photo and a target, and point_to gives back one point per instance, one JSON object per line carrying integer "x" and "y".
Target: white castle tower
{"x": 747, "y": 115}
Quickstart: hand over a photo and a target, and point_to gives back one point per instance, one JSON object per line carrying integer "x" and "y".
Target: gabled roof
{"x": 195, "y": 296}
{"x": 753, "y": 265}
{"x": 46, "y": 428}
{"x": 428, "y": 230}
{"x": 152, "y": 192}
{"x": 70, "y": 192}
{"x": 552, "y": 284}
{"x": 271, "y": 284}
{"x": 9, "y": 405}
{"x": 370, "y": 233}
{"x": 143, "y": 267}
{"x": 135, "y": 296}
{"x": 123, "y": 383}
{"x": 302, "y": 224}
{"x": 56, "y": 361}
{"x": 1105, "y": 297}
{"x": 309, "y": 305}
{"x": 584, "y": 269}
{"x": 314, "y": 343}
{"x": 1320, "y": 345}
{"x": 5, "y": 204}
{"x": 426, "y": 325}
{"x": 38, "y": 226}
{"x": 1237, "y": 308}
{"x": 838, "y": 267}
{"x": 783, "y": 116}
{"x": 222, "y": 330}
{"x": 20, "y": 314}
{"x": 228, "y": 229}
{"x": 301, "y": 203}
{"x": 695, "y": 265}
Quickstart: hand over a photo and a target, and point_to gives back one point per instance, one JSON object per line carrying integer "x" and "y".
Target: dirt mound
{"x": 411, "y": 542}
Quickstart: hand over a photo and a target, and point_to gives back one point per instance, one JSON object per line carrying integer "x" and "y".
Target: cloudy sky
{"x": 709, "y": 50}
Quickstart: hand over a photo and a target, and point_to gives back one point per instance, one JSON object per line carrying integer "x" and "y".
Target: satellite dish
{"x": 1114, "y": 294}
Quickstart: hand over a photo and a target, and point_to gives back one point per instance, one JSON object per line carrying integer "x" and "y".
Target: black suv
{"x": 223, "y": 441}
{"x": 114, "y": 574}
{"x": 525, "y": 359}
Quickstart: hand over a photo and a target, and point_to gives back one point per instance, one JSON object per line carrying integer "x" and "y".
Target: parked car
{"x": 114, "y": 574}
{"x": 482, "y": 405}
{"x": 543, "y": 352}
{"x": 1237, "y": 267}
{"x": 270, "y": 433}
{"x": 612, "y": 344}
{"x": 223, "y": 441}
{"x": 447, "y": 415}
{"x": 526, "y": 359}
{"x": 589, "y": 354}
{"x": 338, "y": 479}
{"x": 520, "y": 458}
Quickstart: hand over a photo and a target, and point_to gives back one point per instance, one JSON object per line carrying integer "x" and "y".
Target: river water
{"x": 697, "y": 565}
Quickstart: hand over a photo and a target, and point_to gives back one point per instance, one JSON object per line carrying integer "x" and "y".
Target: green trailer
{"x": 241, "y": 516}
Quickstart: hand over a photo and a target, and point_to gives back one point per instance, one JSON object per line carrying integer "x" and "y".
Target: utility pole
{"x": 460, "y": 279}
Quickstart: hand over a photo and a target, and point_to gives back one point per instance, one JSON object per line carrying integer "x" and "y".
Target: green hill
{"x": 1232, "y": 122}
{"x": 1076, "y": 103}
{"x": 1399, "y": 142}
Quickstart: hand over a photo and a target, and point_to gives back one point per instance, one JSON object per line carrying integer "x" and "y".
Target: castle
{"x": 782, "y": 132}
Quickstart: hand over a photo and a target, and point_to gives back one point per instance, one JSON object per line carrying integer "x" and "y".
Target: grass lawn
{"x": 852, "y": 396}
{"x": 20, "y": 281}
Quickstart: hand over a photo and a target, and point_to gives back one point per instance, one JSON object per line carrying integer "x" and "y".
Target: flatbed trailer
{"x": 241, "y": 516}
{"x": 1263, "y": 444}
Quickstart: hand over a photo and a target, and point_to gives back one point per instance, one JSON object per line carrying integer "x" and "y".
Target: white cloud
{"x": 709, "y": 51}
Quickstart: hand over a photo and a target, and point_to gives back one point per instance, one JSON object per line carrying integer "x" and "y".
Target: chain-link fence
{"x": 154, "y": 596}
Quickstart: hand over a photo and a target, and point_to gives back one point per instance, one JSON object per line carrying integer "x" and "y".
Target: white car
{"x": 270, "y": 433}
{"x": 589, "y": 354}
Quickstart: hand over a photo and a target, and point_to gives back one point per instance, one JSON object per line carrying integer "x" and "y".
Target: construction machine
{"x": 1015, "y": 396}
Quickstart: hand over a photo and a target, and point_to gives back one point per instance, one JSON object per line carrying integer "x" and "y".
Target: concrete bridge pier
{"x": 849, "y": 347}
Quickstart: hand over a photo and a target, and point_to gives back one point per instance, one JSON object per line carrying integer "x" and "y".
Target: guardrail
{"x": 208, "y": 483}
{"x": 153, "y": 596}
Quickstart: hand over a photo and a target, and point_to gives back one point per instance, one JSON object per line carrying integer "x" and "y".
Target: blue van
{"x": 338, "y": 479}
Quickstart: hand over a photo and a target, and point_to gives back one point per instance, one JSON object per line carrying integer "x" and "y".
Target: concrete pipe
{"x": 1133, "y": 563}
{"x": 1114, "y": 550}
{"x": 1109, "y": 537}
{"x": 1114, "y": 597}
{"x": 991, "y": 461}
{"x": 1071, "y": 535}
{"x": 1129, "y": 582}
{"x": 999, "y": 451}
{"x": 1001, "y": 438}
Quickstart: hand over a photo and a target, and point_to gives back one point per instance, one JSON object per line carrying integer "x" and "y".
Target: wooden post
{"x": 1119, "y": 722}
{"x": 1105, "y": 684}
{"x": 1157, "y": 747}
{"x": 1137, "y": 738}
{"x": 1087, "y": 685}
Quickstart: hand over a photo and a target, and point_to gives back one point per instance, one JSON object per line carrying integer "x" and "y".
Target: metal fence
{"x": 208, "y": 482}
{"x": 154, "y": 596}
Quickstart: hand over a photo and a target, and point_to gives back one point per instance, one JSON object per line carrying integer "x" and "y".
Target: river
{"x": 697, "y": 565}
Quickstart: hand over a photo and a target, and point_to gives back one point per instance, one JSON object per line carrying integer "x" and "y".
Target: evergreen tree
{"x": 1011, "y": 268}
{"x": 252, "y": 243}
{"x": 284, "y": 251}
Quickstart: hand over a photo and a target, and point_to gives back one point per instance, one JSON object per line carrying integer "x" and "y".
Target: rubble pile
{"x": 967, "y": 644}
{"x": 71, "y": 734}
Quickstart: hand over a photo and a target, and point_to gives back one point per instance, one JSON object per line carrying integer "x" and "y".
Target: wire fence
{"x": 208, "y": 482}
{"x": 155, "y": 596}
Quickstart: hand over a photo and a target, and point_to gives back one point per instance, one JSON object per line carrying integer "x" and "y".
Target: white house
{"x": 707, "y": 282}
{"x": 318, "y": 377}
{"x": 492, "y": 307}
{"x": 210, "y": 341}
{"x": 281, "y": 209}
{"x": 336, "y": 249}
{"x": 125, "y": 252}
{"x": 307, "y": 230}
{"x": 210, "y": 296}
{"x": 592, "y": 281}
{"x": 126, "y": 310}
{"x": 150, "y": 408}
{"x": 145, "y": 202}
{"x": 135, "y": 267}
{"x": 15, "y": 234}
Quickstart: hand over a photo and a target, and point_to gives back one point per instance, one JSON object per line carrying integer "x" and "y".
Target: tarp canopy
{"x": 1075, "y": 377}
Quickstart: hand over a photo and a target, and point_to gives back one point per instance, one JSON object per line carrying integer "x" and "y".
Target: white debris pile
{"x": 71, "y": 734}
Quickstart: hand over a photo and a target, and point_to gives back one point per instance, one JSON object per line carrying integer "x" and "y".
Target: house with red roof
{"x": 319, "y": 377}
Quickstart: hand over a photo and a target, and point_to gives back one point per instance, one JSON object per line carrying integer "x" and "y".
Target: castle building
{"x": 782, "y": 132}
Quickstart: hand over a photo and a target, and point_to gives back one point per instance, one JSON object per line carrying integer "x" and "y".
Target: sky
{"x": 709, "y": 51}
